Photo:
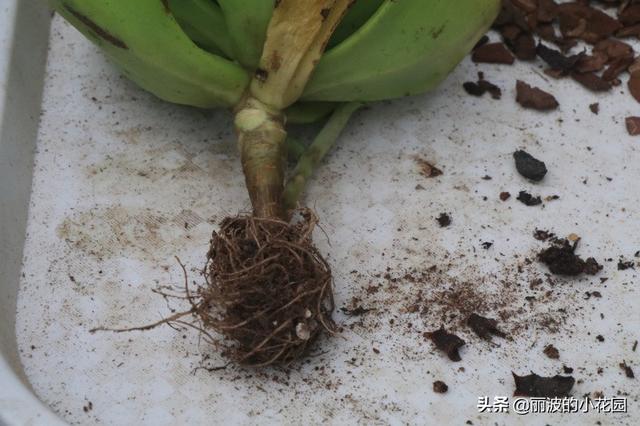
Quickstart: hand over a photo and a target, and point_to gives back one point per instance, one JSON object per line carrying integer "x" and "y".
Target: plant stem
{"x": 295, "y": 149}
{"x": 314, "y": 154}
{"x": 261, "y": 140}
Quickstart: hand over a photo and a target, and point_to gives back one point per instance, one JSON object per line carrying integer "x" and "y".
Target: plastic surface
{"x": 124, "y": 182}
{"x": 22, "y": 60}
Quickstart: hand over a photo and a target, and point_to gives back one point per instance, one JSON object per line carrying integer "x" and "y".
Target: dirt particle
{"x": 561, "y": 259}
{"x": 551, "y": 352}
{"x": 542, "y": 235}
{"x": 484, "y": 327}
{"x": 446, "y": 342}
{"x": 623, "y": 265}
{"x": 627, "y": 370}
{"x": 356, "y": 311}
{"x": 481, "y": 87}
{"x": 440, "y": 387}
{"x": 529, "y": 166}
{"x": 529, "y": 200}
{"x": 427, "y": 169}
{"x": 444, "y": 220}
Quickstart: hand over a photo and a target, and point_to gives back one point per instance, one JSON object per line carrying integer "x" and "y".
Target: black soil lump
{"x": 440, "y": 387}
{"x": 627, "y": 370}
{"x": 561, "y": 259}
{"x": 529, "y": 200}
{"x": 623, "y": 265}
{"x": 444, "y": 220}
{"x": 446, "y": 342}
{"x": 543, "y": 387}
{"x": 484, "y": 327}
{"x": 529, "y": 166}
{"x": 481, "y": 87}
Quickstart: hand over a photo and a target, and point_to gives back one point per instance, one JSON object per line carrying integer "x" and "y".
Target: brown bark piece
{"x": 493, "y": 53}
{"x": 534, "y": 98}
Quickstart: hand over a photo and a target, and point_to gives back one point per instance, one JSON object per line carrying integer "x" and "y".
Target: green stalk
{"x": 314, "y": 154}
{"x": 295, "y": 149}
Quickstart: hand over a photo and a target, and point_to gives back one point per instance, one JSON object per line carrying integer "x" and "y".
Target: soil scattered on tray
{"x": 529, "y": 200}
{"x": 446, "y": 342}
{"x": 529, "y": 166}
{"x": 440, "y": 387}
{"x": 543, "y": 387}
{"x": 504, "y": 196}
{"x": 595, "y": 108}
{"x": 561, "y": 259}
{"x": 444, "y": 220}
{"x": 534, "y": 98}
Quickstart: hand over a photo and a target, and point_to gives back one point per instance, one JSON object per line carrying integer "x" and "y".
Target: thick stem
{"x": 312, "y": 157}
{"x": 261, "y": 140}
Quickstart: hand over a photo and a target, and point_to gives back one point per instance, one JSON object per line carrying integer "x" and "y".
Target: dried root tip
{"x": 269, "y": 291}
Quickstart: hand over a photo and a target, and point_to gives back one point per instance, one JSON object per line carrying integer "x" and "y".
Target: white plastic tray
{"x": 123, "y": 182}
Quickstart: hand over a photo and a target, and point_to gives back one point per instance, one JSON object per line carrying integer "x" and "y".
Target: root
{"x": 269, "y": 291}
{"x": 168, "y": 320}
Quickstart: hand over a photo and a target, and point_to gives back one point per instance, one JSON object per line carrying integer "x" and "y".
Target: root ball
{"x": 269, "y": 291}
